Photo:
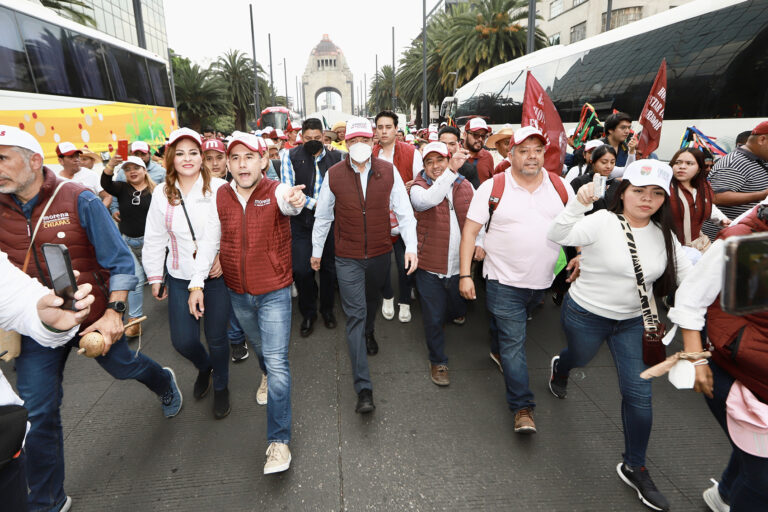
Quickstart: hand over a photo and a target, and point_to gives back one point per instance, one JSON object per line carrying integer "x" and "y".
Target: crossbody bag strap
{"x": 687, "y": 235}
{"x": 648, "y": 306}
{"x": 191, "y": 230}
{"x": 37, "y": 226}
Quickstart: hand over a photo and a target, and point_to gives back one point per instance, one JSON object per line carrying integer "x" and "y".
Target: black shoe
{"x": 330, "y": 320}
{"x": 639, "y": 479}
{"x": 307, "y": 325}
{"x": 239, "y": 352}
{"x": 557, "y": 298}
{"x": 558, "y": 384}
{"x": 370, "y": 345}
{"x": 203, "y": 383}
{"x": 221, "y": 406}
{"x": 364, "y": 401}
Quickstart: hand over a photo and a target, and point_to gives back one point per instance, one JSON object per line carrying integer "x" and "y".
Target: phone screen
{"x": 746, "y": 278}
{"x": 60, "y": 272}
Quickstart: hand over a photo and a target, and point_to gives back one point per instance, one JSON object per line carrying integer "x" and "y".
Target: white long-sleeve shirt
{"x": 418, "y": 163}
{"x": 209, "y": 247}
{"x": 606, "y": 285}
{"x": 398, "y": 200}
{"x": 423, "y": 199}
{"x": 167, "y": 227}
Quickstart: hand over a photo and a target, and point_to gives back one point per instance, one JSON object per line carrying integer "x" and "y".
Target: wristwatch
{"x": 118, "y": 306}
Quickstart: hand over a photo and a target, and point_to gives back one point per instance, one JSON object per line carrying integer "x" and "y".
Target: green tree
{"x": 69, "y": 9}
{"x": 200, "y": 94}
{"x": 236, "y": 69}
{"x": 380, "y": 92}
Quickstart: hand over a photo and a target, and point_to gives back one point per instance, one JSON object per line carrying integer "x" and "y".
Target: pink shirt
{"x": 517, "y": 251}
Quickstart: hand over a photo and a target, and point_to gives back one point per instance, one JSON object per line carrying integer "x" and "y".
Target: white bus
{"x": 62, "y": 81}
{"x": 717, "y": 73}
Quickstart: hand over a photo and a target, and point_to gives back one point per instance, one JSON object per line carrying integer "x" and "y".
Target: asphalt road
{"x": 424, "y": 448}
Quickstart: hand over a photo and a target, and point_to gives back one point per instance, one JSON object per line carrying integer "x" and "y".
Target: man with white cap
{"x": 358, "y": 193}
{"x": 69, "y": 159}
{"x": 252, "y": 236}
{"x": 476, "y": 132}
{"x": 440, "y": 197}
{"x": 66, "y": 213}
{"x": 517, "y": 206}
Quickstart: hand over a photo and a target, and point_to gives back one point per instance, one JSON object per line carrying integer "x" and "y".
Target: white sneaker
{"x": 713, "y": 499}
{"x": 67, "y": 505}
{"x": 261, "y": 393}
{"x": 294, "y": 291}
{"x": 388, "y": 309}
{"x": 278, "y": 458}
{"x": 405, "y": 313}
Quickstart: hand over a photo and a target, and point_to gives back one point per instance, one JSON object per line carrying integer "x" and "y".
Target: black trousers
{"x": 304, "y": 276}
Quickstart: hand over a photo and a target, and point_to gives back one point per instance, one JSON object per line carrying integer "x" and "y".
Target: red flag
{"x": 540, "y": 112}
{"x": 653, "y": 113}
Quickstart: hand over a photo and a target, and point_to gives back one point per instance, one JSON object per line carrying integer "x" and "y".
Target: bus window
{"x": 160, "y": 86}
{"x": 14, "y": 72}
{"x": 46, "y": 53}
{"x": 130, "y": 82}
{"x": 88, "y": 60}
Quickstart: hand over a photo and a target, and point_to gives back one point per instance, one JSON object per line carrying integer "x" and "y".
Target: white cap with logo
{"x": 358, "y": 127}
{"x": 436, "y": 147}
{"x": 526, "y": 132}
{"x": 642, "y": 173}
{"x": 12, "y": 136}
{"x": 184, "y": 133}
{"x": 140, "y": 146}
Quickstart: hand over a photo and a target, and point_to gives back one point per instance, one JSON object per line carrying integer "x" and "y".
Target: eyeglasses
{"x": 136, "y": 199}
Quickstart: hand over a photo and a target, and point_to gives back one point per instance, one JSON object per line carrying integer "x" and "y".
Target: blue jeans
{"x": 185, "y": 330}
{"x": 585, "y": 332}
{"x": 440, "y": 301}
{"x": 39, "y": 375}
{"x": 510, "y": 305}
{"x": 136, "y": 296}
{"x": 744, "y": 482}
{"x": 235, "y": 333}
{"x": 266, "y": 320}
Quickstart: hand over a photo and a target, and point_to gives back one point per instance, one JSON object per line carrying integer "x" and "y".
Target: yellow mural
{"x": 98, "y": 127}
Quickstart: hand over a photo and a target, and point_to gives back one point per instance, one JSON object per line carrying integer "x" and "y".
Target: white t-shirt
{"x": 86, "y": 177}
{"x": 606, "y": 285}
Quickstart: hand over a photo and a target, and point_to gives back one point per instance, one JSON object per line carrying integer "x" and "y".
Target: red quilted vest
{"x": 255, "y": 251}
{"x": 361, "y": 224}
{"x": 403, "y": 159}
{"x": 61, "y": 225}
{"x": 741, "y": 342}
{"x": 433, "y": 226}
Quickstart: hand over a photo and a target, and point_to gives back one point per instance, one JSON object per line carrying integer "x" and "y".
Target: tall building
{"x": 569, "y": 21}
{"x": 118, "y": 19}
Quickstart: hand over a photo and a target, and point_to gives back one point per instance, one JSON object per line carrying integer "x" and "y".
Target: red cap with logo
{"x": 214, "y": 145}
{"x": 250, "y": 141}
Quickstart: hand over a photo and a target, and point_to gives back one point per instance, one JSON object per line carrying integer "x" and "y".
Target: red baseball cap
{"x": 67, "y": 149}
{"x": 214, "y": 145}
{"x": 476, "y": 124}
{"x": 761, "y": 129}
{"x": 527, "y": 132}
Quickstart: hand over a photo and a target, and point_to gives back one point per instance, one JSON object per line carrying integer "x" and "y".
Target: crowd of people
{"x": 230, "y": 228}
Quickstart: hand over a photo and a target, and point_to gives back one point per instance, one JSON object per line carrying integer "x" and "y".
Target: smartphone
{"x": 122, "y": 149}
{"x": 104, "y": 156}
{"x": 600, "y": 182}
{"x": 745, "y": 277}
{"x": 60, "y": 273}
{"x": 629, "y": 137}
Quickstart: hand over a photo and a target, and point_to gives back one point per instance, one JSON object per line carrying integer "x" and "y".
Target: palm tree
{"x": 484, "y": 35}
{"x": 380, "y": 95}
{"x": 236, "y": 69}
{"x": 68, "y": 8}
{"x": 199, "y": 94}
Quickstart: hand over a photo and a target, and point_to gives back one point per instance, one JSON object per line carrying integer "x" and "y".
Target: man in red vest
{"x": 253, "y": 237}
{"x": 440, "y": 197}
{"x": 739, "y": 345}
{"x": 408, "y": 163}
{"x": 357, "y": 192}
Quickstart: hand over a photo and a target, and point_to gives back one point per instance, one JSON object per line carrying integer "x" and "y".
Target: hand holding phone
{"x": 62, "y": 278}
{"x": 599, "y": 182}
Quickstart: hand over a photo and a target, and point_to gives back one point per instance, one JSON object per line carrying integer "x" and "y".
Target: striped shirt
{"x": 738, "y": 171}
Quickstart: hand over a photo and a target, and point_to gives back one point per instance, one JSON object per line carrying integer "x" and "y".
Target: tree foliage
{"x": 68, "y": 9}
{"x": 236, "y": 70}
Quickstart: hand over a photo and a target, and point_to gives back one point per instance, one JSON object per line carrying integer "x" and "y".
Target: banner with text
{"x": 652, "y": 115}
{"x": 540, "y": 112}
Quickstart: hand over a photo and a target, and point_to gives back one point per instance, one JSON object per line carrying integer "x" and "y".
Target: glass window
{"x": 578, "y": 32}
{"x": 578, "y": 2}
{"x": 45, "y": 46}
{"x": 14, "y": 71}
{"x": 88, "y": 64}
{"x": 621, "y": 17}
{"x": 130, "y": 82}
{"x": 160, "y": 85}
{"x": 555, "y": 8}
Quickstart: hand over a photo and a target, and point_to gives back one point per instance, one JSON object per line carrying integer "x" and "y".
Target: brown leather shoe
{"x": 439, "y": 374}
{"x": 134, "y": 330}
{"x": 524, "y": 421}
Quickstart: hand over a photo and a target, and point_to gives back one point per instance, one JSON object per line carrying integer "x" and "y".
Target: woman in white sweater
{"x": 603, "y": 304}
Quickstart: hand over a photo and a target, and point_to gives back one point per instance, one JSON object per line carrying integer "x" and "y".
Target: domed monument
{"x": 327, "y": 81}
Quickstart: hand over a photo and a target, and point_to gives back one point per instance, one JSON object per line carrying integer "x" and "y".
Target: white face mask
{"x": 360, "y": 152}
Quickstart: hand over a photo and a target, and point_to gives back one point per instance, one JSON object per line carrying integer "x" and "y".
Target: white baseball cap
{"x": 184, "y": 133}
{"x": 250, "y": 141}
{"x": 646, "y": 172}
{"x": 134, "y": 160}
{"x": 358, "y": 127}
{"x": 67, "y": 149}
{"x": 432, "y": 137}
{"x": 436, "y": 147}
{"x": 12, "y": 136}
{"x": 281, "y": 134}
{"x": 140, "y": 146}
{"x": 594, "y": 143}
{"x": 526, "y": 132}
{"x": 476, "y": 124}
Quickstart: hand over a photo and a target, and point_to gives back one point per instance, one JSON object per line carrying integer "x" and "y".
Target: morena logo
{"x": 646, "y": 170}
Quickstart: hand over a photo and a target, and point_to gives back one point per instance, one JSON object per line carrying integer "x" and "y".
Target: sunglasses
{"x": 136, "y": 199}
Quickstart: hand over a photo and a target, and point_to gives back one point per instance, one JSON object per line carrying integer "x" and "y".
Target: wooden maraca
{"x": 92, "y": 344}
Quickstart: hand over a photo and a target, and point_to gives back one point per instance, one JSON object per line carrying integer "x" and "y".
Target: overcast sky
{"x": 203, "y": 30}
